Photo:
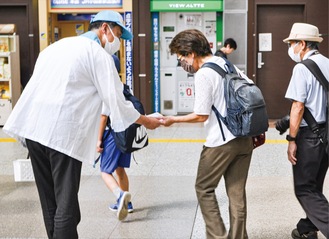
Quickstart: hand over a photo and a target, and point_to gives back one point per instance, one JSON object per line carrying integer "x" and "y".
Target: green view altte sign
{"x": 192, "y": 5}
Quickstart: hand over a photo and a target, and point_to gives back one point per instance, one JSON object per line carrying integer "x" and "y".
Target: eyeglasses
{"x": 180, "y": 58}
{"x": 118, "y": 33}
{"x": 290, "y": 43}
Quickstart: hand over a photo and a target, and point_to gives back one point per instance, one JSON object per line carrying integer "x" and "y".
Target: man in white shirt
{"x": 229, "y": 157}
{"x": 306, "y": 149}
{"x": 57, "y": 117}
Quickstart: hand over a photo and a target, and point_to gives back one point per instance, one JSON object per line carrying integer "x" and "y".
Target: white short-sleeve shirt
{"x": 209, "y": 91}
{"x": 305, "y": 88}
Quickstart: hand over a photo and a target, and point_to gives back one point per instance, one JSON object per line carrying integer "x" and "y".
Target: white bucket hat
{"x": 304, "y": 31}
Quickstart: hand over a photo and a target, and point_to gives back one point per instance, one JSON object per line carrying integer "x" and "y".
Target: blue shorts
{"x": 111, "y": 158}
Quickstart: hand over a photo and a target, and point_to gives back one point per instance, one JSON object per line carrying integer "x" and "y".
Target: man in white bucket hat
{"x": 306, "y": 148}
{"x": 305, "y": 32}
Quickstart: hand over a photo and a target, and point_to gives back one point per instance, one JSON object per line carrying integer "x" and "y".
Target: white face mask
{"x": 111, "y": 47}
{"x": 294, "y": 56}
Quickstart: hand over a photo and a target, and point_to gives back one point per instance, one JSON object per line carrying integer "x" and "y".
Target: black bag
{"x": 135, "y": 136}
{"x": 246, "y": 109}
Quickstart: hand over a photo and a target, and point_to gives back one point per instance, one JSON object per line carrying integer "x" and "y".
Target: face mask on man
{"x": 111, "y": 47}
{"x": 187, "y": 67}
{"x": 294, "y": 56}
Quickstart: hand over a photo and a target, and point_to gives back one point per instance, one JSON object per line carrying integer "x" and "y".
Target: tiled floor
{"x": 162, "y": 187}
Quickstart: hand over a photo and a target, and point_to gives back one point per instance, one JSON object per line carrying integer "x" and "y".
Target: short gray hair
{"x": 312, "y": 45}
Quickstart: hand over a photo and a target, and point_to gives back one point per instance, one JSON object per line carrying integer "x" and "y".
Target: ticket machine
{"x": 176, "y": 85}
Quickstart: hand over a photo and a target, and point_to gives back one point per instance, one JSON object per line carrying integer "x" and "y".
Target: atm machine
{"x": 177, "y": 85}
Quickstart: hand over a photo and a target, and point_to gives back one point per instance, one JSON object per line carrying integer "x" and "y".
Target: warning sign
{"x": 79, "y": 29}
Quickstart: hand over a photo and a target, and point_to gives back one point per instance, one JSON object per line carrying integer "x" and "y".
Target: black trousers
{"x": 57, "y": 177}
{"x": 309, "y": 174}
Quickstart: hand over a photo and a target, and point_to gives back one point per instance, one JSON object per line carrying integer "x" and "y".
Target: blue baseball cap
{"x": 112, "y": 16}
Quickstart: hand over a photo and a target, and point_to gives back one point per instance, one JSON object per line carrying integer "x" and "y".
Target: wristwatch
{"x": 289, "y": 138}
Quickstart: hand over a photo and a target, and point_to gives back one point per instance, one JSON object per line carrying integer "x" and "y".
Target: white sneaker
{"x": 123, "y": 201}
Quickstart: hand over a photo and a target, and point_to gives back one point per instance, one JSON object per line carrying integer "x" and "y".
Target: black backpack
{"x": 246, "y": 109}
{"x": 135, "y": 136}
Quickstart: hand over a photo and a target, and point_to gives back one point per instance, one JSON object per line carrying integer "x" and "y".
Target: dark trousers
{"x": 57, "y": 177}
{"x": 309, "y": 174}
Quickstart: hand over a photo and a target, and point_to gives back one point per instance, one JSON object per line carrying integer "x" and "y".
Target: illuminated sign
{"x": 74, "y": 4}
{"x": 190, "y": 5}
{"x": 129, "y": 52}
{"x": 156, "y": 62}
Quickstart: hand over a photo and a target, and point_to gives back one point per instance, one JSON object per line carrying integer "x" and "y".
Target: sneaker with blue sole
{"x": 123, "y": 205}
{"x": 114, "y": 207}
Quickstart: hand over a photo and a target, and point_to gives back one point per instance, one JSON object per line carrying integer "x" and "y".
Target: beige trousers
{"x": 232, "y": 161}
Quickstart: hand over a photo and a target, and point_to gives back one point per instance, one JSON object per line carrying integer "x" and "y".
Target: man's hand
{"x": 168, "y": 120}
{"x": 149, "y": 122}
{"x": 296, "y": 116}
{"x": 153, "y": 123}
{"x": 292, "y": 148}
{"x": 99, "y": 149}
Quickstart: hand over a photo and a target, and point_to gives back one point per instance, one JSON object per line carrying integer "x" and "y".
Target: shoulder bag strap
{"x": 315, "y": 70}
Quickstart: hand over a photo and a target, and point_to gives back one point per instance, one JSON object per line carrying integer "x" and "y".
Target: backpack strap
{"x": 222, "y": 73}
{"x": 218, "y": 115}
{"x": 229, "y": 66}
{"x": 215, "y": 67}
